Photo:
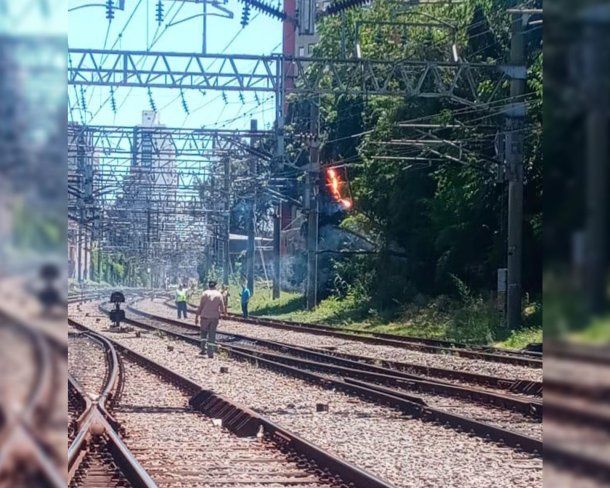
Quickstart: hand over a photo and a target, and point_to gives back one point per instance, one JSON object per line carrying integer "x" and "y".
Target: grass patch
{"x": 597, "y": 332}
{"x": 518, "y": 339}
{"x": 471, "y": 320}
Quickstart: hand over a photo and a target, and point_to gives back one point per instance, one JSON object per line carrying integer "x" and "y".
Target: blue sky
{"x": 88, "y": 28}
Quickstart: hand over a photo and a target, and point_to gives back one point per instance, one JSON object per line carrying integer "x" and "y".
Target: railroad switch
{"x": 321, "y": 407}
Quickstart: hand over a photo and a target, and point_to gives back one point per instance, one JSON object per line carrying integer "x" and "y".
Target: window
{"x": 311, "y": 47}
{"x": 301, "y": 51}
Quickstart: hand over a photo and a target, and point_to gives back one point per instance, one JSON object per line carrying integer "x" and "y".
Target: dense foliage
{"x": 435, "y": 212}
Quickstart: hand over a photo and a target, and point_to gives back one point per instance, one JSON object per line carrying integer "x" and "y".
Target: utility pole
{"x": 277, "y": 233}
{"x": 596, "y": 87}
{"x": 227, "y": 237}
{"x": 280, "y": 149}
{"x": 250, "y": 251}
{"x": 311, "y": 206}
{"x": 100, "y": 237}
{"x": 87, "y": 254}
{"x": 79, "y": 239}
{"x": 514, "y": 166}
{"x": 80, "y": 161}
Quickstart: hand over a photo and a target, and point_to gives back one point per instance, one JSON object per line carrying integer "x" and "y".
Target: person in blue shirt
{"x": 245, "y": 298}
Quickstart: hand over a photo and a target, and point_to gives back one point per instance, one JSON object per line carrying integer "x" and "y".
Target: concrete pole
{"x": 311, "y": 206}
{"x": 250, "y": 251}
{"x": 277, "y": 233}
{"x": 514, "y": 160}
{"x": 596, "y": 90}
{"x": 227, "y": 237}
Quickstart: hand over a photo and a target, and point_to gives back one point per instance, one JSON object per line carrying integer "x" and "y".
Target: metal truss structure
{"x": 186, "y": 143}
{"x": 150, "y": 182}
{"x": 460, "y": 81}
{"x": 151, "y": 193}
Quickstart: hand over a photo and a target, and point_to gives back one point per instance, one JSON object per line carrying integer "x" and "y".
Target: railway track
{"x": 577, "y": 417}
{"x": 494, "y": 353}
{"x": 436, "y": 346}
{"x": 345, "y": 425}
{"x": 524, "y": 358}
{"x": 455, "y": 405}
{"x": 32, "y": 423}
{"x": 97, "y": 456}
{"x": 421, "y": 366}
{"x": 167, "y": 425}
{"x": 493, "y": 414}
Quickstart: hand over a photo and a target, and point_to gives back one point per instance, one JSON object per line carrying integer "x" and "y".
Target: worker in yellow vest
{"x": 181, "y": 301}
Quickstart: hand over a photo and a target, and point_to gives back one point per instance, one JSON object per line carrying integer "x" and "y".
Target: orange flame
{"x": 335, "y": 183}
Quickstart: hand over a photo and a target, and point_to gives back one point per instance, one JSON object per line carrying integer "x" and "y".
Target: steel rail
{"x": 245, "y": 422}
{"x": 416, "y": 344}
{"x": 97, "y": 421}
{"x": 372, "y": 393}
{"x": 368, "y": 372}
{"x": 395, "y": 337}
{"x": 18, "y": 439}
{"x": 515, "y": 386}
{"x": 561, "y": 455}
{"x": 579, "y": 352}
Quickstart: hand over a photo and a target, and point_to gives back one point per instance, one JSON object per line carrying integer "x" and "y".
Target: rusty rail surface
{"x": 20, "y": 441}
{"x": 320, "y": 360}
{"x": 96, "y": 422}
{"x": 371, "y": 392}
{"x": 243, "y": 421}
{"x": 433, "y": 346}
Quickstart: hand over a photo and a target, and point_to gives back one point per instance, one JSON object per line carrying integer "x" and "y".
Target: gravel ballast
{"x": 388, "y": 353}
{"x": 406, "y": 452}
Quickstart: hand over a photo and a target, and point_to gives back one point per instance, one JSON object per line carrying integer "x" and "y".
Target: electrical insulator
{"x": 245, "y": 15}
{"x": 83, "y": 100}
{"x": 109, "y": 10}
{"x": 241, "y": 98}
{"x": 159, "y": 12}
{"x": 184, "y": 104}
{"x": 112, "y": 100}
{"x": 153, "y": 106}
{"x": 224, "y": 98}
{"x": 265, "y": 8}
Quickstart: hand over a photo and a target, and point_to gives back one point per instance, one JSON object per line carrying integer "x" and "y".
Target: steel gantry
{"x": 229, "y": 72}
{"x": 461, "y": 82}
{"x": 147, "y": 192}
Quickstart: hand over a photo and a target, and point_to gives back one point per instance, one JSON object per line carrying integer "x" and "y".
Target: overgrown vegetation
{"x": 467, "y": 319}
{"x": 435, "y": 213}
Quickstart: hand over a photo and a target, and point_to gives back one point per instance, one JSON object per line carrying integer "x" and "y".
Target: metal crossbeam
{"x": 460, "y": 81}
{"x": 172, "y": 70}
{"x": 195, "y": 143}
